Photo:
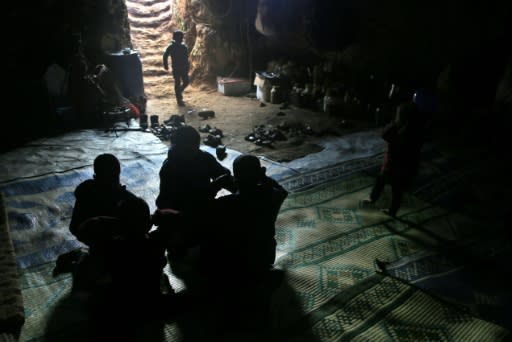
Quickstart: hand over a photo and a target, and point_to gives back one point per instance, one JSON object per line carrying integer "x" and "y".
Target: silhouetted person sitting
{"x": 125, "y": 248}
{"x": 124, "y": 268}
{"x": 100, "y": 196}
{"x": 248, "y": 228}
{"x": 189, "y": 177}
{"x": 136, "y": 257}
{"x": 243, "y": 244}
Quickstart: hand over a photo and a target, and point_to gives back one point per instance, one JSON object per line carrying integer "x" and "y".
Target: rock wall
{"x": 218, "y": 34}
{"x": 412, "y": 43}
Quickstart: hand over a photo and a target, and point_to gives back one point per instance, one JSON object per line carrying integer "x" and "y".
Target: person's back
{"x": 126, "y": 293}
{"x": 178, "y": 52}
{"x": 405, "y": 138}
{"x": 121, "y": 253}
{"x": 242, "y": 245}
{"x": 187, "y": 177}
{"x": 101, "y": 195}
{"x": 246, "y": 236}
{"x": 135, "y": 260}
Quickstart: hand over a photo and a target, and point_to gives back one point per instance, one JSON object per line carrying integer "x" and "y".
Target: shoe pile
{"x": 215, "y": 131}
{"x": 296, "y": 129}
{"x": 265, "y": 136}
{"x": 205, "y": 128}
{"x": 175, "y": 120}
{"x": 164, "y": 131}
{"x": 212, "y": 140}
{"x": 214, "y": 135}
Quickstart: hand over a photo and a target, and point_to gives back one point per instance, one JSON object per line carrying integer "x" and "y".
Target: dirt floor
{"x": 239, "y": 116}
{"x": 235, "y": 116}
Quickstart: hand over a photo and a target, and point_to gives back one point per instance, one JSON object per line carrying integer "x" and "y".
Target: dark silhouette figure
{"x": 404, "y": 137}
{"x": 234, "y": 241}
{"x": 190, "y": 178}
{"x": 250, "y": 214}
{"x": 123, "y": 271}
{"x": 180, "y": 237}
{"x": 243, "y": 243}
{"x": 100, "y": 196}
{"x": 178, "y": 52}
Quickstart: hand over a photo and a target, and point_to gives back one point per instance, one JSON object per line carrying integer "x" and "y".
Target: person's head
{"x": 135, "y": 215}
{"x": 186, "y": 139}
{"x": 107, "y": 169}
{"x": 177, "y": 36}
{"x": 248, "y": 171}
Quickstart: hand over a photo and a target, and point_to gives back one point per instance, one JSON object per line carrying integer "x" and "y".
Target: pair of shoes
{"x": 205, "y": 128}
{"x": 205, "y": 114}
{"x": 216, "y": 131}
{"x": 175, "y": 120}
{"x": 220, "y": 151}
{"x": 212, "y": 140}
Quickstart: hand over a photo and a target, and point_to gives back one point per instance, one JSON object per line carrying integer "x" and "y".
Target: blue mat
{"x": 327, "y": 240}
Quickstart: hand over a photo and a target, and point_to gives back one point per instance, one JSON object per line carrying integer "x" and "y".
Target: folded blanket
{"x": 12, "y": 315}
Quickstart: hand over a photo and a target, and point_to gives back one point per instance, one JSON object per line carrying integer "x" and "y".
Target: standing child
{"x": 404, "y": 137}
{"x": 178, "y": 52}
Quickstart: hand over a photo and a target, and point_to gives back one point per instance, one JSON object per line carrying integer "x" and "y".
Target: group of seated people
{"x": 204, "y": 238}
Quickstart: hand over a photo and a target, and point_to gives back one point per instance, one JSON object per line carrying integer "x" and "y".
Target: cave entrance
{"x": 150, "y": 30}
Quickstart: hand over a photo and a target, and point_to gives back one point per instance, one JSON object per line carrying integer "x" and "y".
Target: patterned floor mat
{"x": 327, "y": 243}
{"x": 384, "y": 309}
{"x": 463, "y": 275}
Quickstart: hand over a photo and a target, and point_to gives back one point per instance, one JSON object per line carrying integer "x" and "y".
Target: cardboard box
{"x": 263, "y": 82}
{"x": 230, "y": 86}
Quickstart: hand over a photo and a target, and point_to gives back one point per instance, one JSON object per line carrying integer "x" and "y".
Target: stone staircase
{"x": 150, "y": 34}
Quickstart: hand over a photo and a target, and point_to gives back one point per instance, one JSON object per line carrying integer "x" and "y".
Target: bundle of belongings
{"x": 12, "y": 315}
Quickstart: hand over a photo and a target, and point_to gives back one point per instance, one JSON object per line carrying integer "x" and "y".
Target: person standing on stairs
{"x": 178, "y": 52}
